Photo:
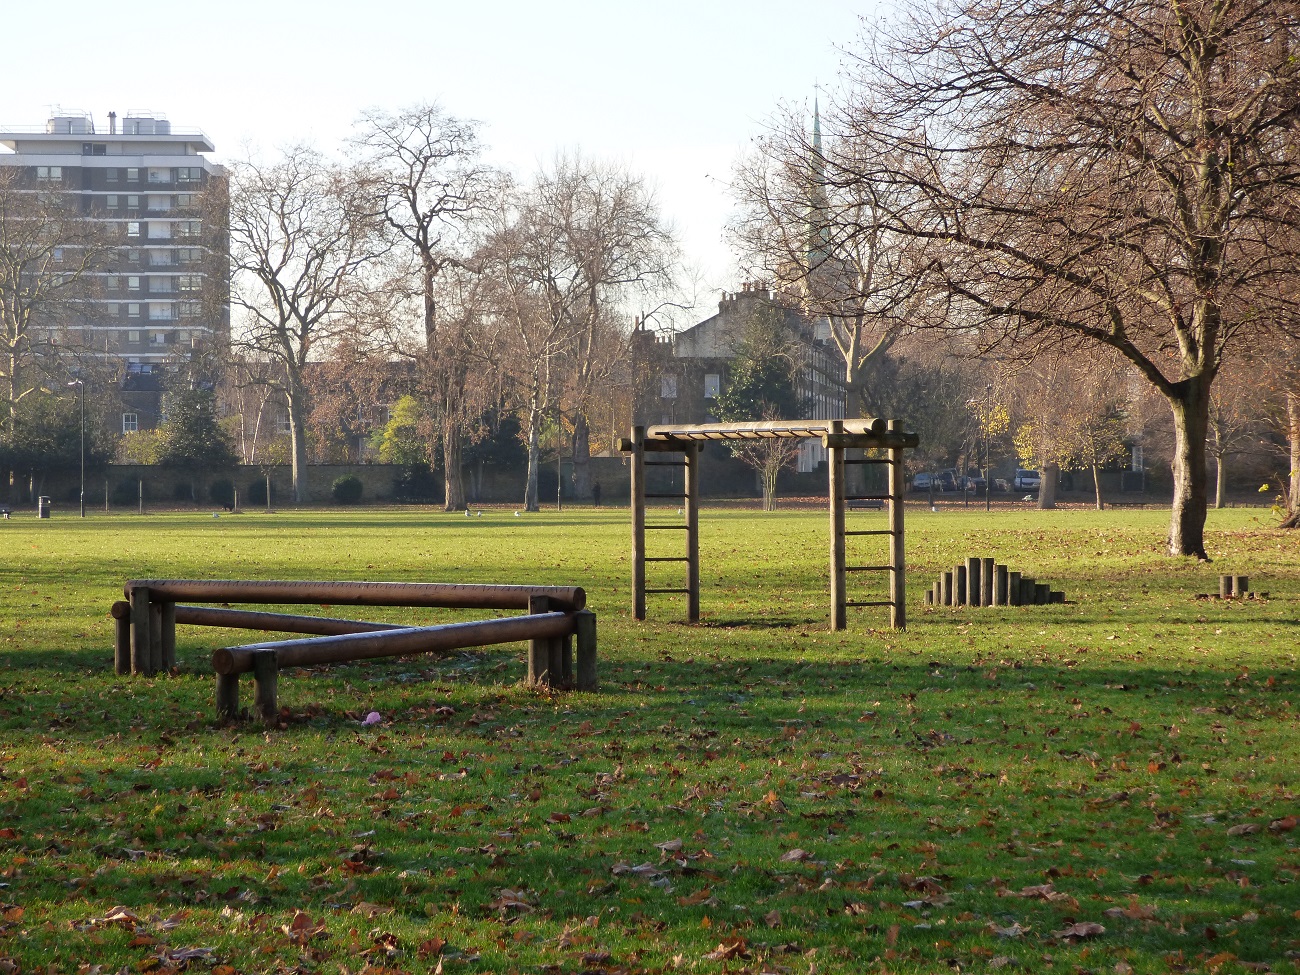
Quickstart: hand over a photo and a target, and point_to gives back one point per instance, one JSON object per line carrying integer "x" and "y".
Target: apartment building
{"x": 163, "y": 294}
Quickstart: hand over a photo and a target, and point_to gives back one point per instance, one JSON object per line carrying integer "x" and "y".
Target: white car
{"x": 1026, "y": 481}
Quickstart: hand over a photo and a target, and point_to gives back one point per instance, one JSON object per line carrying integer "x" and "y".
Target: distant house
{"x": 681, "y": 375}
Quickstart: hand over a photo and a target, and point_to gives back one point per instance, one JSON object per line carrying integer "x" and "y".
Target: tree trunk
{"x": 770, "y": 474}
{"x": 298, "y": 443}
{"x": 1191, "y": 411}
{"x": 1096, "y": 484}
{"x": 581, "y": 457}
{"x": 1220, "y": 481}
{"x": 453, "y": 477}
{"x": 1293, "y": 441}
{"x": 531, "y": 502}
{"x": 1048, "y": 477}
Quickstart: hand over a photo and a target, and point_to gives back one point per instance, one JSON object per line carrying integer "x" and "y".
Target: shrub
{"x": 347, "y": 489}
{"x": 222, "y": 492}
{"x": 416, "y": 482}
{"x": 256, "y": 493}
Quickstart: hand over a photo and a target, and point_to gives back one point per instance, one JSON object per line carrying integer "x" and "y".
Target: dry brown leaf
{"x": 772, "y": 919}
{"x": 1014, "y": 931}
{"x": 1283, "y": 825}
{"x": 669, "y": 846}
{"x": 796, "y": 856}
{"x": 726, "y": 950}
{"x": 1079, "y": 931}
{"x": 704, "y": 896}
{"x": 1243, "y": 829}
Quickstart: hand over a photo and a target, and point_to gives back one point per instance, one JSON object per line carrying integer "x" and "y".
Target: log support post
{"x": 227, "y": 697}
{"x": 1000, "y": 582}
{"x": 986, "y": 582}
{"x": 266, "y": 676}
{"x": 946, "y": 587}
{"x": 638, "y": 522}
{"x": 897, "y": 550}
{"x": 1013, "y": 588}
{"x": 973, "y": 585}
{"x": 121, "y": 613}
{"x": 691, "y": 460}
{"x": 839, "y": 581}
{"x": 167, "y": 643}
{"x": 141, "y": 659}
{"x": 584, "y": 622}
{"x": 541, "y": 661}
{"x": 959, "y": 588}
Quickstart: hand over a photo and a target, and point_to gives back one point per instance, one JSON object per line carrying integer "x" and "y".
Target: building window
{"x": 160, "y": 286}
{"x": 114, "y": 309}
{"x": 112, "y": 282}
{"x": 159, "y": 201}
{"x": 188, "y": 309}
{"x": 182, "y": 336}
{"x": 58, "y": 254}
{"x": 133, "y": 228}
{"x": 1136, "y": 462}
{"x": 130, "y": 422}
{"x": 162, "y": 257}
{"x": 188, "y": 174}
{"x": 185, "y": 199}
{"x": 112, "y": 201}
{"x": 133, "y": 202}
{"x": 132, "y": 174}
{"x": 157, "y": 338}
{"x": 94, "y": 149}
{"x": 712, "y": 385}
{"x": 111, "y": 175}
{"x": 133, "y": 336}
{"x": 133, "y": 311}
{"x": 189, "y": 282}
{"x": 282, "y": 424}
{"x": 667, "y": 387}
{"x": 133, "y": 282}
{"x": 157, "y": 175}
{"x": 188, "y": 228}
{"x": 189, "y": 255}
{"x": 133, "y": 255}
{"x": 49, "y": 174}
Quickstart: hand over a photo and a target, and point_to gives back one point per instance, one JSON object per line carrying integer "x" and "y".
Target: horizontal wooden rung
{"x": 871, "y": 602}
{"x": 867, "y": 460}
{"x": 687, "y": 591}
{"x": 873, "y": 531}
{"x": 667, "y": 558}
{"x": 665, "y": 463}
{"x": 665, "y": 528}
{"x": 868, "y": 568}
{"x": 867, "y": 497}
{"x": 669, "y": 495}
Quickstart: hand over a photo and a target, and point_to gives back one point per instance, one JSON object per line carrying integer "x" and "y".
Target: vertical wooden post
{"x": 121, "y": 613}
{"x": 168, "y": 642}
{"x": 999, "y": 585}
{"x": 266, "y": 675}
{"x": 973, "y": 585}
{"x": 835, "y": 489}
{"x": 691, "y": 459}
{"x": 1225, "y": 587}
{"x": 1042, "y": 592}
{"x": 155, "y": 637}
{"x": 959, "y": 589}
{"x": 897, "y": 550}
{"x": 947, "y": 588}
{"x": 638, "y": 523}
{"x": 986, "y": 582}
{"x": 140, "y": 656}
{"x": 1240, "y": 586}
{"x": 539, "y": 650}
{"x": 565, "y": 644}
{"x": 584, "y": 623}
{"x": 227, "y": 697}
{"x": 1013, "y": 588}
{"x": 1026, "y": 590}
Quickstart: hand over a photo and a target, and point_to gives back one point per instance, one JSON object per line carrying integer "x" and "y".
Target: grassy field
{"x": 1104, "y": 786}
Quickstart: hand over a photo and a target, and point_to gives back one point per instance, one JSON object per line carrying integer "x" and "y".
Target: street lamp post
{"x": 81, "y": 402}
{"x": 988, "y": 425}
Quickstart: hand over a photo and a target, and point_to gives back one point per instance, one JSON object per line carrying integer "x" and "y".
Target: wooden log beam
{"x": 422, "y": 594}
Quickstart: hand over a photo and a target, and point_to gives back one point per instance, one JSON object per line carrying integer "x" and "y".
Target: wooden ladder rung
{"x": 873, "y": 531}
{"x": 667, "y": 558}
{"x": 868, "y": 568}
{"x": 666, "y": 528}
{"x": 872, "y": 602}
{"x": 669, "y": 590}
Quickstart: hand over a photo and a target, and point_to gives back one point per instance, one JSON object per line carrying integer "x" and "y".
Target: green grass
{"x": 1107, "y": 747}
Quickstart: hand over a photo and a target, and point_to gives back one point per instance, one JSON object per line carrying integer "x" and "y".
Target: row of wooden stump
{"x": 984, "y": 582}
{"x": 1234, "y": 587}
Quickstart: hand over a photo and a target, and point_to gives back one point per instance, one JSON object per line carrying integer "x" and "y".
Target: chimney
{"x": 112, "y": 123}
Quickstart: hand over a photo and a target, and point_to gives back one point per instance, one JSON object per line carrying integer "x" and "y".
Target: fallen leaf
{"x": 1243, "y": 829}
{"x": 1283, "y": 825}
{"x": 1079, "y": 931}
{"x": 669, "y": 846}
{"x": 796, "y": 856}
{"x": 727, "y": 950}
{"x": 704, "y": 896}
{"x": 1014, "y": 931}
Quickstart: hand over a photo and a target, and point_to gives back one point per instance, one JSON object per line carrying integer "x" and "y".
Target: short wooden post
{"x": 155, "y": 636}
{"x": 986, "y": 582}
{"x": 897, "y": 549}
{"x": 555, "y": 654}
{"x": 539, "y": 650}
{"x": 691, "y": 461}
{"x": 1027, "y": 591}
{"x": 168, "y": 641}
{"x": 999, "y": 585}
{"x": 227, "y": 697}
{"x": 839, "y": 574}
{"x": 141, "y": 662}
{"x": 929, "y": 597}
{"x": 973, "y": 585}
{"x": 584, "y": 624}
{"x": 141, "y": 498}
{"x": 121, "y": 613}
{"x": 1013, "y": 588}
{"x": 959, "y": 591}
{"x": 1056, "y": 596}
{"x": 1225, "y": 587}
{"x": 266, "y": 675}
{"x": 638, "y": 524}
{"x": 946, "y": 586}
{"x": 1042, "y": 592}
{"x": 1240, "y": 586}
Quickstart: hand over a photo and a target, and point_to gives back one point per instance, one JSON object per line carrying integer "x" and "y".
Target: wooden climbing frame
{"x": 837, "y": 436}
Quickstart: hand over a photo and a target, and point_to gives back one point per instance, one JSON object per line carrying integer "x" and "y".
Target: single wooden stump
{"x": 539, "y": 650}
{"x": 140, "y": 656}
{"x": 1225, "y": 587}
{"x": 266, "y": 676}
{"x": 1013, "y": 588}
{"x": 974, "y": 586}
{"x": 167, "y": 640}
{"x": 155, "y": 637}
{"x": 1240, "y": 586}
{"x": 959, "y": 590}
{"x": 584, "y": 623}
{"x": 121, "y": 613}
{"x": 1056, "y": 596}
{"x": 999, "y": 585}
{"x": 1027, "y": 589}
{"x": 227, "y": 697}
{"x": 1041, "y": 593}
{"x": 986, "y": 582}
{"x": 929, "y": 597}
{"x": 946, "y": 584}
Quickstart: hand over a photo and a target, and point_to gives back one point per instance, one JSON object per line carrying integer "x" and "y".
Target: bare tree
{"x": 300, "y": 236}
{"x": 1092, "y": 172}
{"x": 431, "y": 186}
{"x": 48, "y": 254}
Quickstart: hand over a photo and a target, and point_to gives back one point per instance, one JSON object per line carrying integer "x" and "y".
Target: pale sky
{"x": 674, "y": 90}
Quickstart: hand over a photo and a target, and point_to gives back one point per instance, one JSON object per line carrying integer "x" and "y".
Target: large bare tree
{"x": 300, "y": 237}
{"x": 430, "y": 187}
{"x": 1091, "y": 172}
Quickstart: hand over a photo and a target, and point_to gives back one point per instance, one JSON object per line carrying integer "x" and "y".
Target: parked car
{"x": 973, "y": 483}
{"x": 923, "y": 482}
{"x": 1026, "y": 480}
{"x": 947, "y": 480}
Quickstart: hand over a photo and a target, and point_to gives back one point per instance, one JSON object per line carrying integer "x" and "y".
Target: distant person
{"x": 595, "y": 494}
